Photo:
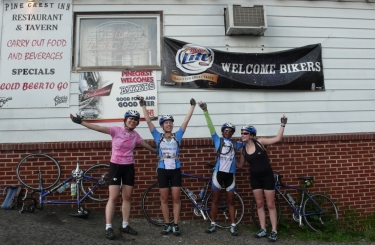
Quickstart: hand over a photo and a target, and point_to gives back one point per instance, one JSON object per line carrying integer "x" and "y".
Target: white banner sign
{"x": 107, "y": 95}
{"x": 36, "y": 53}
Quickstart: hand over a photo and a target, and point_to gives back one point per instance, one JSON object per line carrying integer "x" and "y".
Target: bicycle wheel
{"x": 91, "y": 177}
{"x": 320, "y": 213}
{"x": 27, "y": 171}
{"x": 254, "y": 212}
{"x": 151, "y": 205}
{"x": 222, "y": 217}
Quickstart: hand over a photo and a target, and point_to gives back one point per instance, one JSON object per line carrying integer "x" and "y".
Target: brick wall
{"x": 342, "y": 166}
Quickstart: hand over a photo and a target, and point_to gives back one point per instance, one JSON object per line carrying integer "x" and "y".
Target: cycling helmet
{"x": 250, "y": 129}
{"x": 228, "y": 125}
{"x": 165, "y": 118}
{"x": 132, "y": 113}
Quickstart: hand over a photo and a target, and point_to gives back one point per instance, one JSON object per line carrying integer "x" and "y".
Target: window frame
{"x": 76, "y": 54}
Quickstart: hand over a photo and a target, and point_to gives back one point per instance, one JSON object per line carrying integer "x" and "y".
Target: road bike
{"x": 317, "y": 211}
{"x": 93, "y": 183}
{"x": 200, "y": 206}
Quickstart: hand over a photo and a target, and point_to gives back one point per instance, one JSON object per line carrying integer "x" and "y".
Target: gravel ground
{"x": 53, "y": 225}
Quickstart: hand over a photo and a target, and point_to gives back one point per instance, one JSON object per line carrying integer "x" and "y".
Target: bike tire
{"x": 313, "y": 217}
{"x": 33, "y": 162}
{"x": 101, "y": 194}
{"x": 222, "y": 217}
{"x": 151, "y": 206}
{"x": 254, "y": 212}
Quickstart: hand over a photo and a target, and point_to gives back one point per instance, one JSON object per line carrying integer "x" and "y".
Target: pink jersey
{"x": 123, "y": 144}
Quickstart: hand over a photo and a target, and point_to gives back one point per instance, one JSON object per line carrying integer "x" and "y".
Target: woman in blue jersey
{"x": 261, "y": 174}
{"x": 169, "y": 166}
{"x": 225, "y": 168}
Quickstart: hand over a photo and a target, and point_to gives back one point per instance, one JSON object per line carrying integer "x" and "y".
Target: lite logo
{"x": 194, "y": 59}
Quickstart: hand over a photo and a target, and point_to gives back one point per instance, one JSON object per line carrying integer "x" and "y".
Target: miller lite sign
{"x": 193, "y": 66}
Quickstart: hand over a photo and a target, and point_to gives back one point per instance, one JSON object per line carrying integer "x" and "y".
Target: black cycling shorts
{"x": 222, "y": 177}
{"x": 169, "y": 177}
{"x": 120, "y": 173}
{"x": 262, "y": 181}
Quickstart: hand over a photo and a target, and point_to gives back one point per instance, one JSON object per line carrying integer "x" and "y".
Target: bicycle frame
{"x": 200, "y": 206}
{"x": 78, "y": 175}
{"x": 297, "y": 210}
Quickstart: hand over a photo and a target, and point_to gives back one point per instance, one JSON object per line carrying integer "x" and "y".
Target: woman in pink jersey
{"x": 124, "y": 140}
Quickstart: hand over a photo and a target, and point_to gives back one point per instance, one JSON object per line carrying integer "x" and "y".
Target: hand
{"x": 203, "y": 105}
{"x": 142, "y": 102}
{"x": 284, "y": 120}
{"x": 76, "y": 119}
{"x": 192, "y": 101}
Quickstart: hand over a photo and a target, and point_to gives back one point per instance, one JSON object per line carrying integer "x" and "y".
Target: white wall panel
{"x": 346, "y": 30}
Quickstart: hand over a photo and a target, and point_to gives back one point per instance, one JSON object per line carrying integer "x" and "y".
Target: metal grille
{"x": 246, "y": 16}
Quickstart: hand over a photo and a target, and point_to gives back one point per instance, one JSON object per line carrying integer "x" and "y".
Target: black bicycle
{"x": 93, "y": 183}
{"x": 201, "y": 206}
{"x": 317, "y": 211}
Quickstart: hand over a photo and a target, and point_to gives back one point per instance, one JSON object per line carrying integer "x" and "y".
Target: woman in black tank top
{"x": 261, "y": 174}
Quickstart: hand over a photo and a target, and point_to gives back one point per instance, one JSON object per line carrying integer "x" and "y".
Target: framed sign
{"x": 107, "y": 95}
{"x": 36, "y": 54}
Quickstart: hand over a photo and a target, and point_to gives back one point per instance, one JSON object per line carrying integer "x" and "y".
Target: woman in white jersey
{"x": 121, "y": 170}
{"x": 225, "y": 169}
{"x": 169, "y": 166}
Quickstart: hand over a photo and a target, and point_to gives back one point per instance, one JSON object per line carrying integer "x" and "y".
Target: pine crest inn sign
{"x": 36, "y": 52}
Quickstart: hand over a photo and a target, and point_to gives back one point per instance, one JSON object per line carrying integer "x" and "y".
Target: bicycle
{"x": 89, "y": 182}
{"x": 201, "y": 206}
{"x": 318, "y": 211}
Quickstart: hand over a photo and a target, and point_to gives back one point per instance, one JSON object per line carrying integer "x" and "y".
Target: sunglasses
{"x": 134, "y": 118}
{"x": 245, "y": 133}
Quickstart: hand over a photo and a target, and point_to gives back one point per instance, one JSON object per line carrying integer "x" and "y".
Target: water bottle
{"x": 201, "y": 193}
{"x": 191, "y": 194}
{"x": 313, "y": 87}
{"x": 63, "y": 187}
{"x": 291, "y": 200}
{"x": 73, "y": 189}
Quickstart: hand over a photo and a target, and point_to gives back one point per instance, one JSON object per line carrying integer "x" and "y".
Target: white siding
{"x": 346, "y": 30}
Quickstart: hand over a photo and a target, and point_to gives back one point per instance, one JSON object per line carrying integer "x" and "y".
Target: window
{"x": 121, "y": 41}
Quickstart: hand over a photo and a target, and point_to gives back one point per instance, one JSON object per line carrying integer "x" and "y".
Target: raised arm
{"x": 210, "y": 125}
{"x": 147, "y": 146}
{"x": 95, "y": 127}
{"x": 278, "y": 137}
{"x": 150, "y": 125}
{"x": 188, "y": 115}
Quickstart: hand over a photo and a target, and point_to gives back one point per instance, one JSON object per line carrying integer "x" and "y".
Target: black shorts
{"x": 264, "y": 181}
{"x": 222, "y": 177}
{"x": 119, "y": 173}
{"x": 169, "y": 177}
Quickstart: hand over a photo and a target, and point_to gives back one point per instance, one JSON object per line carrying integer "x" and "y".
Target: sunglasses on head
{"x": 245, "y": 133}
{"x": 134, "y": 118}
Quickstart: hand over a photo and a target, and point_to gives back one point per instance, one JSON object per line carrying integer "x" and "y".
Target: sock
{"x": 108, "y": 226}
{"x": 167, "y": 224}
{"x": 124, "y": 224}
{"x": 275, "y": 232}
{"x": 175, "y": 224}
{"x": 213, "y": 223}
{"x": 233, "y": 224}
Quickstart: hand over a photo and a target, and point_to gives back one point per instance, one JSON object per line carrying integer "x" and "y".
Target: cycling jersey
{"x": 168, "y": 150}
{"x": 123, "y": 144}
{"x": 226, "y": 160}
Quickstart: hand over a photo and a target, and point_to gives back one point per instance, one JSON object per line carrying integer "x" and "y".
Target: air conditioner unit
{"x": 245, "y": 20}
